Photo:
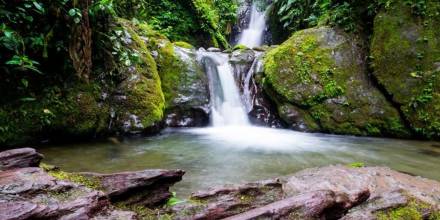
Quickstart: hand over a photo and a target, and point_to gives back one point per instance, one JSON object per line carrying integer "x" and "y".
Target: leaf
{"x": 72, "y": 12}
{"x": 28, "y": 99}
{"x": 25, "y": 83}
{"x": 38, "y": 7}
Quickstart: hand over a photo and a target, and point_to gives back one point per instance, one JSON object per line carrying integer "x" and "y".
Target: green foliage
{"x": 174, "y": 200}
{"x": 205, "y": 22}
{"x": 90, "y": 182}
{"x": 356, "y": 165}
{"x": 414, "y": 210}
{"x": 350, "y": 15}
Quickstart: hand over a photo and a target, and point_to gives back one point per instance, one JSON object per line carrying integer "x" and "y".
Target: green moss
{"x": 184, "y": 45}
{"x": 318, "y": 70}
{"x": 90, "y": 182}
{"x": 405, "y": 49}
{"x": 414, "y": 210}
{"x": 240, "y": 47}
{"x": 143, "y": 89}
{"x": 356, "y": 165}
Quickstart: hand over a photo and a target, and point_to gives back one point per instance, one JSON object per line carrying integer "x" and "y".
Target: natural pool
{"x": 222, "y": 155}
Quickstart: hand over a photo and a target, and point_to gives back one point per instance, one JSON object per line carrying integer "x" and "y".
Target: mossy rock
{"x": 185, "y": 86}
{"x": 139, "y": 103}
{"x": 74, "y": 111}
{"x": 322, "y": 72}
{"x": 82, "y": 113}
{"x": 405, "y": 52}
{"x": 183, "y": 45}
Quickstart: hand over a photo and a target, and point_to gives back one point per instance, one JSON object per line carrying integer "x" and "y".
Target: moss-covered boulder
{"x": 138, "y": 102}
{"x": 319, "y": 81}
{"x": 405, "y": 52}
{"x": 185, "y": 86}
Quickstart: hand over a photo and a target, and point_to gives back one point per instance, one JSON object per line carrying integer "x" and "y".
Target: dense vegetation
{"x": 53, "y": 52}
{"x": 288, "y": 16}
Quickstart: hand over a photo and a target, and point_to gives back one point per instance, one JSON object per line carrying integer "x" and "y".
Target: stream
{"x": 232, "y": 150}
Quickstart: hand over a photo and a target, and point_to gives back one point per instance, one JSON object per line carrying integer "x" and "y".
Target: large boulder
{"x": 319, "y": 82}
{"x": 138, "y": 103}
{"x": 19, "y": 158}
{"x": 185, "y": 86}
{"x": 405, "y": 51}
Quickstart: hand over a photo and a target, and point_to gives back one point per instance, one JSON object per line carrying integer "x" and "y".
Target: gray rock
{"x": 190, "y": 104}
{"x": 19, "y": 158}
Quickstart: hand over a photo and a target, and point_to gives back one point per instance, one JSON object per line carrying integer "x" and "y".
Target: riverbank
{"x": 29, "y": 190}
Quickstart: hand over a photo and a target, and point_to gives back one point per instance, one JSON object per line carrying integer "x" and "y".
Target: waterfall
{"x": 253, "y": 35}
{"x": 226, "y": 106}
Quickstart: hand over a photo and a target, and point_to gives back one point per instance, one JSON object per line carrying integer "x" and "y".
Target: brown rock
{"x": 352, "y": 181}
{"x": 19, "y": 158}
{"x": 148, "y": 187}
{"x": 309, "y": 205}
{"x": 221, "y": 202}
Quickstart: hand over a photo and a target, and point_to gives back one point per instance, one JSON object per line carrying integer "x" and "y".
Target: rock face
{"x": 406, "y": 62}
{"x": 319, "y": 82}
{"x": 248, "y": 71}
{"x": 19, "y": 158}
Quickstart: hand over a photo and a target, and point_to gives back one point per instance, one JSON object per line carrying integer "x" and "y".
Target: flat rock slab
{"x": 19, "y": 158}
{"x": 352, "y": 181}
{"x": 147, "y": 187}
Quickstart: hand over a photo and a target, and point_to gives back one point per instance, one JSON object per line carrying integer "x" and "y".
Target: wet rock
{"x": 147, "y": 188}
{"x": 186, "y": 89}
{"x": 19, "y": 158}
{"x": 222, "y": 202}
{"x": 248, "y": 71}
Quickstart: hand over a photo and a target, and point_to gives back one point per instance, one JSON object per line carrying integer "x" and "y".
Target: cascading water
{"x": 253, "y": 35}
{"x": 227, "y": 109}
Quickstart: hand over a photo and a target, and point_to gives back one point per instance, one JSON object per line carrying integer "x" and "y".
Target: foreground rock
{"x": 147, "y": 188}
{"x": 333, "y": 192}
{"x": 43, "y": 193}
{"x": 18, "y": 158}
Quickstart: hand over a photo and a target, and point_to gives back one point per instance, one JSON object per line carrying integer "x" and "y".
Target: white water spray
{"x": 253, "y": 35}
{"x": 227, "y": 109}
